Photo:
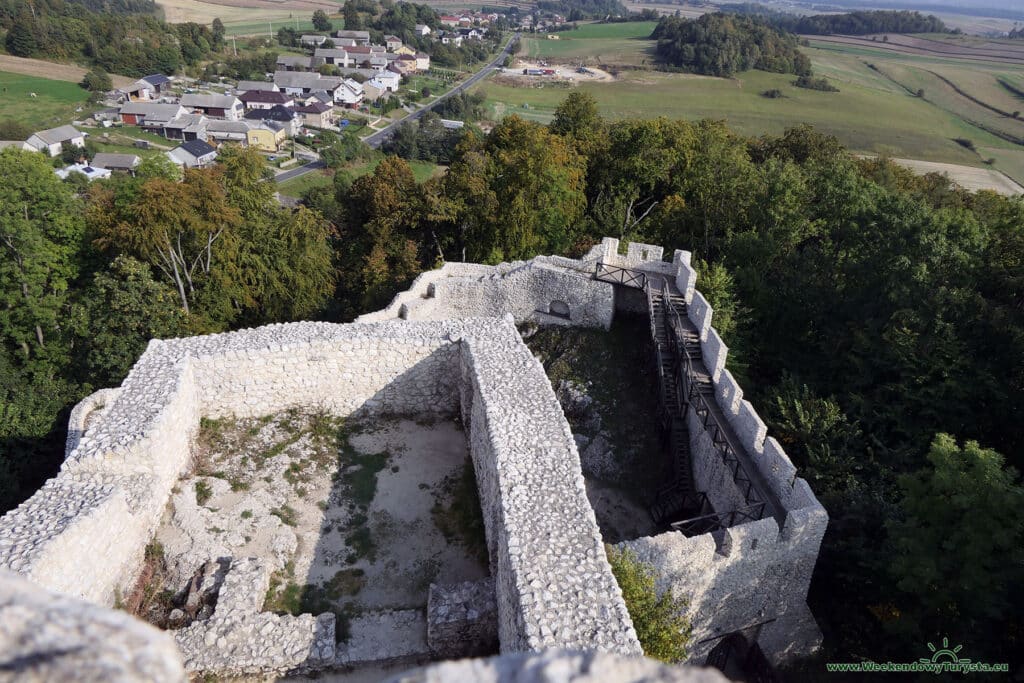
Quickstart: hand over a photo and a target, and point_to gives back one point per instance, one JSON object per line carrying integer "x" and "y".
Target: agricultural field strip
{"x": 919, "y": 51}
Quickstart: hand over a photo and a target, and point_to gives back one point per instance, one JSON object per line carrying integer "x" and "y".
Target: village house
{"x": 421, "y": 30}
{"x": 471, "y": 33}
{"x": 350, "y": 94}
{"x": 392, "y": 43}
{"x": 422, "y": 61}
{"x": 147, "y": 88}
{"x": 193, "y": 154}
{"x": 265, "y": 99}
{"x": 246, "y": 86}
{"x": 312, "y": 40}
{"x": 360, "y": 37}
{"x": 336, "y": 56}
{"x": 287, "y": 118}
{"x": 186, "y": 127}
{"x": 150, "y": 114}
{"x": 389, "y": 79}
{"x": 294, "y": 63}
{"x": 267, "y": 136}
{"x": 227, "y": 107}
{"x": 303, "y": 82}
{"x": 451, "y": 38}
{"x": 90, "y": 172}
{"x": 449, "y": 20}
{"x": 123, "y": 163}
{"x": 227, "y": 131}
{"x": 52, "y": 140}
{"x": 317, "y": 114}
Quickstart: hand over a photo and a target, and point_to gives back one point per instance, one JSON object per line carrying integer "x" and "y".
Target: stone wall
{"x": 462, "y": 619}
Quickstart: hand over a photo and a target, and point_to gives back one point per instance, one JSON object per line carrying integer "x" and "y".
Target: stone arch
{"x": 559, "y": 308}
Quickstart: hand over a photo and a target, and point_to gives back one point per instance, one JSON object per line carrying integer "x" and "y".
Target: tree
{"x": 957, "y": 552}
{"x": 217, "y": 34}
{"x": 172, "y": 226}
{"x": 577, "y": 116}
{"x": 97, "y": 80}
{"x": 118, "y": 313}
{"x": 353, "y": 22}
{"x": 320, "y": 21}
{"x": 660, "y": 621}
{"x": 40, "y": 235}
{"x": 21, "y": 40}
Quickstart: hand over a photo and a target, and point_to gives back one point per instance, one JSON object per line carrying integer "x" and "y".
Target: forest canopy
{"x": 857, "y": 23}
{"x": 719, "y": 44}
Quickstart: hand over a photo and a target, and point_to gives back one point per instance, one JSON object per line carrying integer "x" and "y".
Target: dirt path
{"x": 968, "y": 177}
{"x": 51, "y": 70}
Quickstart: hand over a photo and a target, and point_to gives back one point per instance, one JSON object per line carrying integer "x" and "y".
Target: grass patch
{"x": 360, "y": 541}
{"x": 457, "y": 513}
{"x": 621, "y": 43}
{"x": 203, "y": 492}
{"x": 54, "y": 104}
{"x": 346, "y": 582}
{"x": 286, "y": 514}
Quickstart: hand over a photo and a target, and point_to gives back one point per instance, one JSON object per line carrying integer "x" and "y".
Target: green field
{"x": 421, "y": 170}
{"x": 624, "y": 43}
{"x": 270, "y": 27}
{"x": 873, "y": 113}
{"x": 54, "y": 104}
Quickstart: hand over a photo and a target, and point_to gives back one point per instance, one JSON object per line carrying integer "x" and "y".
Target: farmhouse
{"x": 193, "y": 154}
{"x": 147, "y": 87}
{"x": 52, "y": 140}
{"x": 287, "y": 119}
{"x": 350, "y": 93}
{"x": 227, "y": 131}
{"x": 150, "y": 114}
{"x": 304, "y": 82}
{"x": 227, "y": 107}
{"x": 392, "y": 43}
{"x": 126, "y": 163}
{"x": 421, "y": 30}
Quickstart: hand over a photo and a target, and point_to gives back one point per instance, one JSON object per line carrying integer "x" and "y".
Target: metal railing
{"x": 719, "y": 520}
{"x": 688, "y": 385}
{"x": 621, "y": 276}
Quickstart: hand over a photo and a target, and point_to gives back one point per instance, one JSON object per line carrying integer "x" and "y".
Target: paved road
{"x": 378, "y": 138}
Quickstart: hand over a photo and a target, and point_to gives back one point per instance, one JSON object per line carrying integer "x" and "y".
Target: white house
{"x": 390, "y": 80}
{"x": 421, "y": 30}
{"x": 422, "y": 61}
{"x": 392, "y": 43}
{"x": 312, "y": 40}
{"x": 90, "y": 172}
{"x": 193, "y": 154}
{"x": 350, "y": 94}
{"x": 51, "y": 139}
{"x": 335, "y": 55}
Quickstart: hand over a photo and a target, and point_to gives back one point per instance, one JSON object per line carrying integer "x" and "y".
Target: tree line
{"x": 873, "y": 316}
{"x": 719, "y": 44}
{"x": 124, "y": 38}
{"x": 856, "y": 23}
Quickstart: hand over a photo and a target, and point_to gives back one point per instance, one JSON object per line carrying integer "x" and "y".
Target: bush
{"x": 772, "y": 94}
{"x": 660, "y": 622}
{"x": 965, "y": 143}
{"x": 811, "y": 83}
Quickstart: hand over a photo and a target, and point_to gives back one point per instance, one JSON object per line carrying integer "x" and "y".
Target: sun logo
{"x": 945, "y": 654}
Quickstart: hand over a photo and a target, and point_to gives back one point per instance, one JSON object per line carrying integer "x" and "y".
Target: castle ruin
{"x": 741, "y": 530}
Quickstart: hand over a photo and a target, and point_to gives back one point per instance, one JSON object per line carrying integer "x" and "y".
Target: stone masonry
{"x": 447, "y": 346}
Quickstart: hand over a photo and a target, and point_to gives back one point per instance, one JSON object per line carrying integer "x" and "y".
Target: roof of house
{"x": 420, "y": 27}
{"x": 154, "y": 109}
{"x": 293, "y": 60}
{"x": 156, "y": 79}
{"x": 265, "y": 96}
{"x": 334, "y": 52}
{"x": 248, "y": 86}
{"x": 88, "y": 171}
{"x": 313, "y": 108}
{"x": 322, "y": 96}
{"x": 275, "y": 113}
{"x": 209, "y": 101}
{"x": 17, "y": 144}
{"x": 197, "y": 148}
{"x": 188, "y": 122}
{"x": 391, "y": 39}
{"x": 52, "y": 136}
{"x": 110, "y": 160}
{"x": 313, "y": 38}
{"x": 388, "y": 75}
{"x": 239, "y": 127}
{"x": 363, "y": 35}
{"x": 300, "y": 79}
{"x": 365, "y": 49}
{"x": 422, "y": 55}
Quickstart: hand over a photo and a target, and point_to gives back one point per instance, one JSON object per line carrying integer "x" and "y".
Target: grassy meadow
{"x": 877, "y": 110}
{"x": 422, "y": 170}
{"x": 54, "y": 104}
{"x": 625, "y": 43}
